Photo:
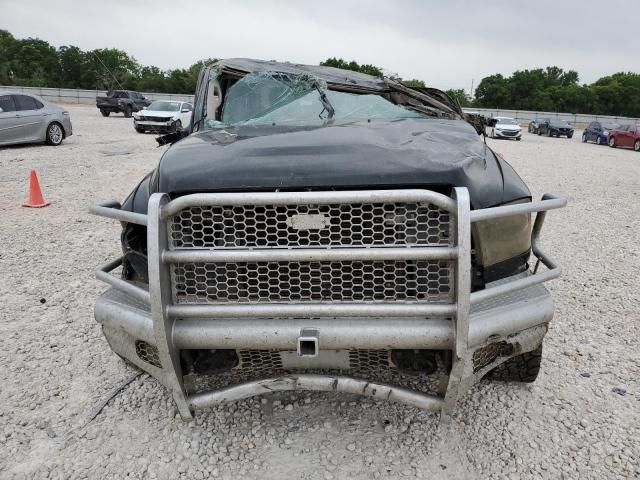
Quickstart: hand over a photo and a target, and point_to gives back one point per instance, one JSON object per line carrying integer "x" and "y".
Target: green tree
{"x": 460, "y": 96}
{"x": 352, "y": 65}
{"x": 414, "y": 83}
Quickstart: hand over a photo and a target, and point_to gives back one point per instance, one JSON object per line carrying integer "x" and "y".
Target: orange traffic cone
{"x": 36, "y": 200}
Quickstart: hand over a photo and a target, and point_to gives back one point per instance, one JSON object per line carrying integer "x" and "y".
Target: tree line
{"x": 34, "y": 62}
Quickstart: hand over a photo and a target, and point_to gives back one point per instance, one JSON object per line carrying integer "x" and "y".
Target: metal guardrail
{"x": 525, "y": 116}
{"x": 165, "y": 312}
{"x": 72, "y": 95}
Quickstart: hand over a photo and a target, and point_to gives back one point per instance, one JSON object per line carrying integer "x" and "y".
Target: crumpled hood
{"x": 157, "y": 113}
{"x": 367, "y": 154}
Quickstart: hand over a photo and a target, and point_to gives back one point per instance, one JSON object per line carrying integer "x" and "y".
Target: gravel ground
{"x": 581, "y": 419}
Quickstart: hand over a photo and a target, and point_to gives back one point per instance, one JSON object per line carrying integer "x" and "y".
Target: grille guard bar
{"x": 164, "y": 311}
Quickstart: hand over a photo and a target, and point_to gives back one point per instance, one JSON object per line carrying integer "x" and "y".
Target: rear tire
{"x": 522, "y": 368}
{"x": 570, "y": 135}
{"x": 139, "y": 129}
{"x": 127, "y": 112}
{"x": 612, "y": 142}
{"x": 105, "y": 113}
{"x": 55, "y": 134}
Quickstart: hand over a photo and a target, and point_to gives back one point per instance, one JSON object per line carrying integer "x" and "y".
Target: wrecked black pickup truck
{"x": 326, "y": 230}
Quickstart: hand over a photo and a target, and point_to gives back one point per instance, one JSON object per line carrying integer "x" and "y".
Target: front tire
{"x": 55, "y": 134}
{"x": 139, "y": 129}
{"x": 636, "y": 145}
{"x": 127, "y": 112}
{"x": 177, "y": 126}
{"x": 105, "y": 113}
{"x": 612, "y": 142}
{"x": 570, "y": 135}
{"x": 521, "y": 368}
{"x": 598, "y": 140}
{"x": 548, "y": 133}
{"x": 584, "y": 138}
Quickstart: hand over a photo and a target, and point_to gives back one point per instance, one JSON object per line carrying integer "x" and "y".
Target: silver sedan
{"x": 28, "y": 118}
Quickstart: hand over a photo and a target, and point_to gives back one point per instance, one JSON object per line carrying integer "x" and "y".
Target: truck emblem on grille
{"x": 308, "y": 222}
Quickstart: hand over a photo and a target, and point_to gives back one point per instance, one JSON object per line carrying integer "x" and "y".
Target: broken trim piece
{"x": 318, "y": 383}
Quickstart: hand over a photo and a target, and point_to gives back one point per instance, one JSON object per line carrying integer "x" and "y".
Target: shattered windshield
{"x": 280, "y": 98}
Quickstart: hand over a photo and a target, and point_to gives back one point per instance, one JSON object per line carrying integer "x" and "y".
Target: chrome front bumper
{"x": 513, "y": 312}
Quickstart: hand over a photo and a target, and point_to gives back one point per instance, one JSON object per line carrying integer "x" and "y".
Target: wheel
{"x": 55, "y": 134}
{"x": 518, "y": 139}
{"x": 522, "y": 368}
{"x": 636, "y": 145}
{"x": 584, "y": 138}
{"x": 493, "y": 133}
{"x": 127, "y": 111}
{"x": 598, "y": 140}
{"x": 569, "y": 136}
{"x": 177, "y": 126}
{"x": 548, "y": 133}
{"x": 612, "y": 142}
{"x": 139, "y": 129}
{"x": 105, "y": 113}
{"x": 529, "y": 129}
{"x": 539, "y": 132}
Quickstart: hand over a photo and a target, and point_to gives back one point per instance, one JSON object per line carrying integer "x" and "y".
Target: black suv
{"x": 555, "y": 128}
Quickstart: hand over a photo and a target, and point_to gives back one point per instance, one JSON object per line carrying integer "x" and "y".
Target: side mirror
{"x": 185, "y": 110}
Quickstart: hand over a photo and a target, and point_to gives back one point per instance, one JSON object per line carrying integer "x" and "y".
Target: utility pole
{"x": 471, "y": 91}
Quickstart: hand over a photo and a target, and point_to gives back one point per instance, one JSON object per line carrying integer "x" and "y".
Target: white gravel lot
{"x": 56, "y": 364}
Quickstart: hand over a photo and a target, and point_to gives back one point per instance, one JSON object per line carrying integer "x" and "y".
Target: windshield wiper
{"x": 325, "y": 102}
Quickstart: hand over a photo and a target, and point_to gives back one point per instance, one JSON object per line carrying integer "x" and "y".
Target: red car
{"x": 625, "y": 136}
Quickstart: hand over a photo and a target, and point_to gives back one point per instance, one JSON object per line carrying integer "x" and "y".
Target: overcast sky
{"x": 445, "y": 43}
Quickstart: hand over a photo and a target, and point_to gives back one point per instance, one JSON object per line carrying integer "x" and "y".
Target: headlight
{"x": 605, "y": 132}
{"x": 500, "y": 239}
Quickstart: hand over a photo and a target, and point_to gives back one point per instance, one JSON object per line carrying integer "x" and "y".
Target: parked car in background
{"x": 535, "y": 124}
{"x": 598, "y": 132}
{"x": 555, "y": 128}
{"x": 625, "y": 136}
{"x": 163, "y": 116}
{"x": 28, "y": 118}
{"x": 506, "y": 127}
{"x": 121, "y": 101}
